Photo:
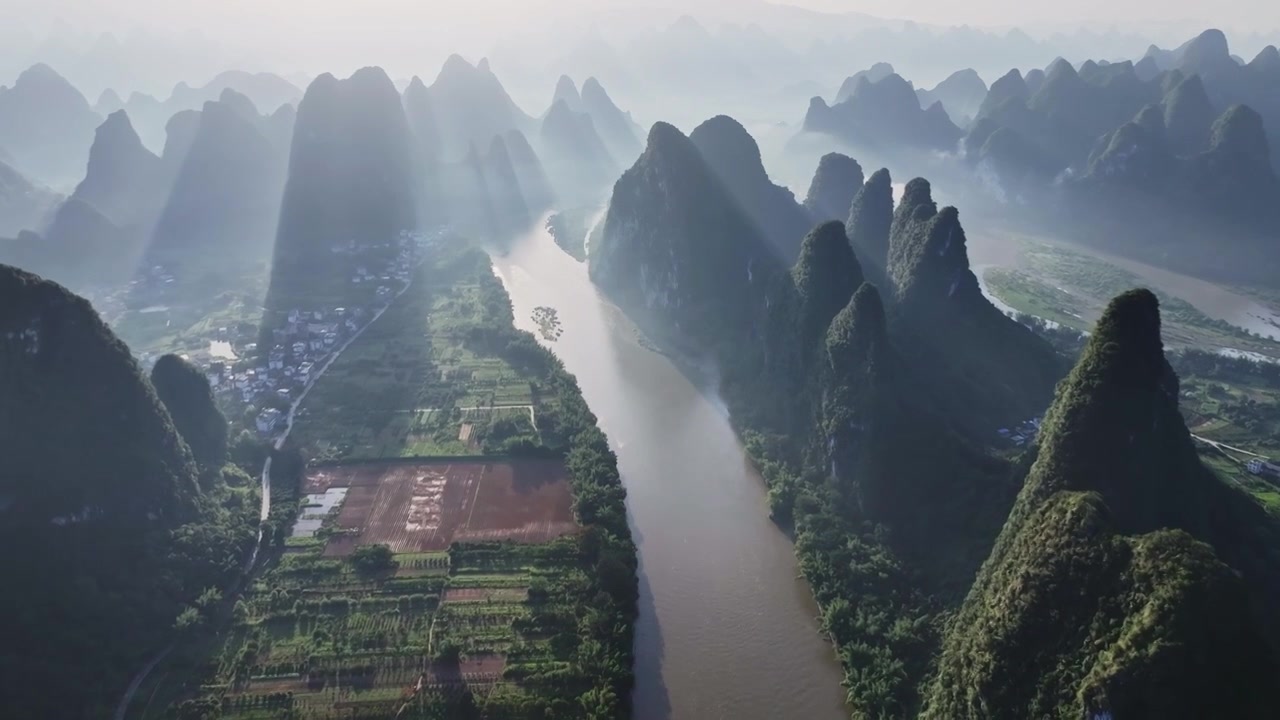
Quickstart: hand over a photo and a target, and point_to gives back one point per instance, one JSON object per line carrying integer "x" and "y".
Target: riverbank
{"x": 699, "y": 513}
{"x": 1070, "y": 285}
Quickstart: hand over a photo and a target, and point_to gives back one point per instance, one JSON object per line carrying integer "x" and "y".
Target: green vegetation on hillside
{"x": 185, "y": 392}
{"x": 860, "y": 429}
{"x": 114, "y": 546}
{"x": 1125, "y": 578}
{"x": 1128, "y": 579}
{"x": 429, "y": 364}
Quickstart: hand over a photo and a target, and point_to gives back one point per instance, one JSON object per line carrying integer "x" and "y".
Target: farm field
{"x": 427, "y": 506}
{"x": 417, "y": 376}
{"x": 467, "y": 558}
{"x": 1235, "y": 403}
{"x": 474, "y": 628}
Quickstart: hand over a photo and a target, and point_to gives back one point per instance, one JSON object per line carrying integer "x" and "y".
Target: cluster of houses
{"x": 308, "y": 338}
{"x": 1026, "y": 432}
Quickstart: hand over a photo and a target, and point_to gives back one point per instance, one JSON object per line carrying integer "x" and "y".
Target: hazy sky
{"x": 1261, "y": 15}
{"x": 246, "y": 15}
{"x": 299, "y": 38}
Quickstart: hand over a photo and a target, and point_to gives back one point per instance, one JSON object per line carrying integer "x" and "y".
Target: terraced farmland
{"x": 478, "y": 625}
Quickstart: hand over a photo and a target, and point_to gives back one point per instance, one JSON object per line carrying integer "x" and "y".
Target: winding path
{"x": 123, "y": 707}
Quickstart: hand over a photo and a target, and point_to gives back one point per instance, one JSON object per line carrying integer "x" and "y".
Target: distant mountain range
{"x": 212, "y": 198}
{"x": 46, "y": 127}
{"x": 1152, "y": 155}
{"x": 266, "y": 91}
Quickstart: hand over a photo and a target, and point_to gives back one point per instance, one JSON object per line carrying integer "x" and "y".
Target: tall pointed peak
{"x": 455, "y": 67}
{"x": 1115, "y": 429}
{"x": 239, "y": 103}
{"x": 1061, "y": 67}
{"x": 1011, "y": 80}
{"x": 109, "y": 101}
{"x": 416, "y": 85}
{"x": 1188, "y": 114}
{"x": 1131, "y": 322}
{"x": 857, "y": 332}
{"x": 322, "y": 91}
{"x": 723, "y": 138}
{"x": 826, "y": 277}
{"x": 119, "y": 178}
{"x": 1010, "y": 87}
{"x": 967, "y": 76}
{"x": 836, "y": 182}
{"x": 917, "y": 202}
{"x": 592, "y": 86}
{"x": 871, "y": 217}
{"x": 372, "y": 76}
{"x": 117, "y": 127}
{"x": 40, "y": 74}
{"x": 1125, "y": 352}
{"x": 286, "y": 114}
{"x": 1267, "y": 61}
{"x": 483, "y": 66}
{"x": 184, "y": 390}
{"x": 826, "y": 273}
{"x": 567, "y": 92}
{"x": 664, "y": 134}
{"x": 1210, "y": 44}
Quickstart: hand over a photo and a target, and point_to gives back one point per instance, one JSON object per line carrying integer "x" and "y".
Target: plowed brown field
{"x": 425, "y": 506}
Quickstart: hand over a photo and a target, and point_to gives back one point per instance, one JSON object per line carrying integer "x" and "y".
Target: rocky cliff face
{"x": 997, "y": 370}
{"x": 676, "y": 247}
{"x": 224, "y": 206}
{"x": 620, "y": 133}
{"x": 836, "y": 182}
{"x": 732, "y": 154}
{"x": 350, "y": 176}
{"x": 124, "y": 181}
{"x": 575, "y": 156}
{"x": 471, "y": 107}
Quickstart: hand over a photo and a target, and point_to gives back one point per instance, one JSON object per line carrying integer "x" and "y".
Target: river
{"x": 727, "y": 630}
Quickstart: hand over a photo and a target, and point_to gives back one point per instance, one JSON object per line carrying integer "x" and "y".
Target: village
{"x": 1026, "y": 432}
{"x": 244, "y": 377}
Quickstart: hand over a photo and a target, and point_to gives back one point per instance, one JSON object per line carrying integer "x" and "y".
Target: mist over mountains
{"x": 994, "y": 522}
